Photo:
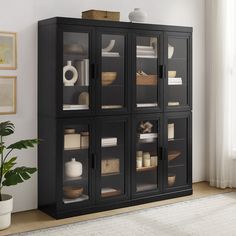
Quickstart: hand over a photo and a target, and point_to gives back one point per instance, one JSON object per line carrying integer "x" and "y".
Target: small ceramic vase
{"x": 139, "y": 162}
{"x": 138, "y": 15}
{"x": 73, "y": 168}
{"x": 84, "y": 98}
{"x": 153, "y": 160}
{"x": 146, "y": 159}
{"x": 69, "y": 67}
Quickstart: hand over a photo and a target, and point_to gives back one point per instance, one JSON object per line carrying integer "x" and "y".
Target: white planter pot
{"x": 6, "y": 207}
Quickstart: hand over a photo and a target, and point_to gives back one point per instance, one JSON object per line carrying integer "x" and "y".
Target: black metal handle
{"x": 162, "y": 70}
{"x": 161, "y": 153}
{"x": 93, "y": 70}
{"x": 93, "y": 160}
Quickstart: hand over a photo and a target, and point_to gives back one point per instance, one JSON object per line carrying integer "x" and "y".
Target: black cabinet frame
{"x": 52, "y": 119}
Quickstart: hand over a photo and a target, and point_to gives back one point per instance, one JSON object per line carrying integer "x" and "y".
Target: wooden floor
{"x": 35, "y": 219}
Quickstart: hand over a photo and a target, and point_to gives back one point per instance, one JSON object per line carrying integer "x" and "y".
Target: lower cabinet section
{"x": 109, "y": 162}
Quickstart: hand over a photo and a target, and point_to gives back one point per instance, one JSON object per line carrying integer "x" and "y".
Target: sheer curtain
{"x": 221, "y": 92}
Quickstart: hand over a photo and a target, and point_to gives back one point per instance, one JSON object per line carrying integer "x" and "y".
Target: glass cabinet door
{"x": 76, "y": 72}
{"x": 112, "y": 161}
{"x": 178, "y": 88}
{"x": 148, "y": 87}
{"x": 112, "y": 70}
{"x": 147, "y": 146}
{"x": 76, "y": 164}
{"x": 178, "y": 151}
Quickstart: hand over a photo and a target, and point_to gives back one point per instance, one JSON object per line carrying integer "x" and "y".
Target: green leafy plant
{"x": 9, "y": 174}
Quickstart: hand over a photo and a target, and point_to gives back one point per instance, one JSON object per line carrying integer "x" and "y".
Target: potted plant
{"x": 9, "y": 174}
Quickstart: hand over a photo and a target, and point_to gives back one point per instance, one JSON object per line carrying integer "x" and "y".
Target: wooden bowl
{"x": 171, "y": 179}
{"x": 173, "y": 155}
{"x": 171, "y": 73}
{"x": 108, "y": 78}
{"x": 72, "y": 192}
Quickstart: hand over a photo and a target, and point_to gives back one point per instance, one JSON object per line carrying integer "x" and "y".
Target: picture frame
{"x": 8, "y": 51}
{"x": 7, "y": 95}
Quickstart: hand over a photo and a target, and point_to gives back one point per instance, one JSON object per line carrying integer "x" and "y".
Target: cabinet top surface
{"x": 114, "y": 24}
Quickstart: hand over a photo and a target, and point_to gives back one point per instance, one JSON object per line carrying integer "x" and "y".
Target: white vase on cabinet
{"x": 137, "y": 15}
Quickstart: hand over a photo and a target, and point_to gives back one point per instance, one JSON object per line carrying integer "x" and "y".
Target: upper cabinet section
{"x": 148, "y": 59}
{"x": 77, "y": 76}
{"x": 178, "y": 82}
{"x": 112, "y": 71}
{"x": 76, "y": 71}
{"x": 89, "y": 67}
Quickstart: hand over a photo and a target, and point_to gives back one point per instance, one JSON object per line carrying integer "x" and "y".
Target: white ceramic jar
{"x": 138, "y": 15}
{"x": 69, "y": 67}
{"x": 73, "y": 168}
{"x": 146, "y": 159}
{"x": 139, "y": 162}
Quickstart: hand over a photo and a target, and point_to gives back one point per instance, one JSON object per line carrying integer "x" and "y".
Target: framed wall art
{"x": 7, "y": 95}
{"x": 8, "y": 60}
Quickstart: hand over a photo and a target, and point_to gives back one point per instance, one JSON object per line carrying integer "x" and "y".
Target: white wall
{"x": 22, "y": 16}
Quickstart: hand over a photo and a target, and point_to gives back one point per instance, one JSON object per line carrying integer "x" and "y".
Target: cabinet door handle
{"x": 93, "y": 161}
{"x": 162, "y": 70}
{"x": 93, "y": 70}
{"x": 161, "y": 152}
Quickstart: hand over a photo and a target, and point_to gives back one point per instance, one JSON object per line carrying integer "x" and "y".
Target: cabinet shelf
{"x": 145, "y": 169}
{"x": 146, "y": 57}
{"x": 76, "y": 149}
{"x": 73, "y": 180}
{"x": 82, "y": 198}
{"x": 111, "y": 174}
{"x": 176, "y": 166}
{"x": 110, "y": 192}
{"x": 176, "y": 139}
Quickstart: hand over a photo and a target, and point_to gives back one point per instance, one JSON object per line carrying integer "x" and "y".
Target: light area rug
{"x": 214, "y": 215}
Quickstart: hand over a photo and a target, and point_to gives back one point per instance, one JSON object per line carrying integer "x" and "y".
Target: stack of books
{"x": 175, "y": 81}
{"x": 146, "y": 51}
{"x": 107, "y": 142}
{"x": 110, "y": 54}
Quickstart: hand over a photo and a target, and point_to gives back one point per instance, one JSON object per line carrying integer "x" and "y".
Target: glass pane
{"x": 112, "y": 160}
{"x": 146, "y": 155}
{"x": 76, "y": 71}
{"x": 146, "y": 72}
{"x": 113, "y": 74}
{"x": 76, "y": 164}
{"x": 177, "y": 152}
{"x": 177, "y": 71}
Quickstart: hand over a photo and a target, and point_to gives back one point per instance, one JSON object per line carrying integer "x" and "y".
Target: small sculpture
{"x": 146, "y": 127}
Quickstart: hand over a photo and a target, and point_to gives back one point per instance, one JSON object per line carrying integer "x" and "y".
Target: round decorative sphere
{"x": 138, "y": 15}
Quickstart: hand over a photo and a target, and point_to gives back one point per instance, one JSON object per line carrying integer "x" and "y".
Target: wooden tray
{"x": 173, "y": 155}
{"x": 111, "y": 194}
{"x": 146, "y": 80}
{"x": 101, "y": 15}
{"x": 142, "y": 169}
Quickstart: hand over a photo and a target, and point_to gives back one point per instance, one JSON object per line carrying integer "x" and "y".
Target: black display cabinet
{"x": 114, "y": 114}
